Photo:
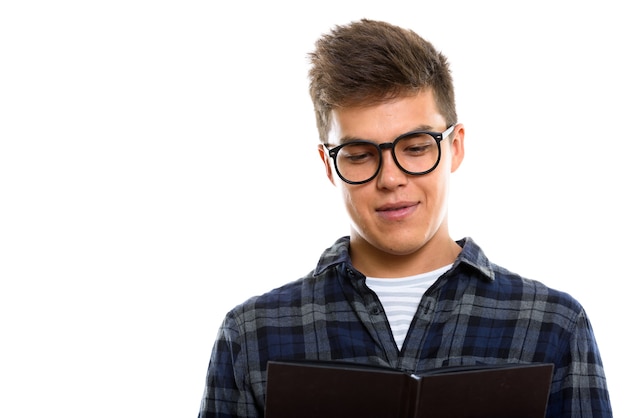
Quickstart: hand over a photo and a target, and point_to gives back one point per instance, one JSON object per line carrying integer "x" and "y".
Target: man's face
{"x": 396, "y": 213}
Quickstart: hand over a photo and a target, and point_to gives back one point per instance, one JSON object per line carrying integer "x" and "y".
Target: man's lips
{"x": 396, "y": 211}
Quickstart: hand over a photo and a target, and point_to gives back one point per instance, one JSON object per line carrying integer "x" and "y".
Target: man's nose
{"x": 390, "y": 175}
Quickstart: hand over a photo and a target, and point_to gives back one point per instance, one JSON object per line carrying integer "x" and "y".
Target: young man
{"x": 399, "y": 291}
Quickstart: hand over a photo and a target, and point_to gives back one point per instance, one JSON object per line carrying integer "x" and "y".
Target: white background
{"x": 158, "y": 159}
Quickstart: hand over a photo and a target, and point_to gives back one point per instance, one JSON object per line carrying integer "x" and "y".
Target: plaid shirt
{"x": 476, "y": 313}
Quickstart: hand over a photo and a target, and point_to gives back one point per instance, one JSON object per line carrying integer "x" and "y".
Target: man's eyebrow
{"x": 428, "y": 128}
{"x": 350, "y": 138}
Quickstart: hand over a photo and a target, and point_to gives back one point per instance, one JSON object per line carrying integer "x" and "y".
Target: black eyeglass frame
{"x": 437, "y": 136}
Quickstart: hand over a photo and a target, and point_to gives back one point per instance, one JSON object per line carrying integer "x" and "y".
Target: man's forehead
{"x": 384, "y": 121}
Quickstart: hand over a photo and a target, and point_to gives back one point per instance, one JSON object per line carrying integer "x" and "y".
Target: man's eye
{"x": 418, "y": 149}
{"x": 355, "y": 158}
{"x": 416, "y": 146}
{"x": 358, "y": 154}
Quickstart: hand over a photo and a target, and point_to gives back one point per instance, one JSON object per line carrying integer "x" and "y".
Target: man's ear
{"x": 457, "y": 147}
{"x": 327, "y": 163}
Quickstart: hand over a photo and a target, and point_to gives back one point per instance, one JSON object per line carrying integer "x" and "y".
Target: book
{"x": 332, "y": 389}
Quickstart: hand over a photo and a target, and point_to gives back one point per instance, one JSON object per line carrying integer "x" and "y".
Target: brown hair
{"x": 368, "y": 62}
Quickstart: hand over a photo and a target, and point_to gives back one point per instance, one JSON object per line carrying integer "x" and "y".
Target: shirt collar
{"x": 335, "y": 254}
{"x": 471, "y": 256}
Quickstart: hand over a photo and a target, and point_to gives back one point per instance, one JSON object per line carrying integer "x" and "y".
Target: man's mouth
{"x": 396, "y": 206}
{"x": 397, "y": 211}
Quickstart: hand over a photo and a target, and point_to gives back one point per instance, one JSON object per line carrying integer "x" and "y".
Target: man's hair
{"x": 368, "y": 62}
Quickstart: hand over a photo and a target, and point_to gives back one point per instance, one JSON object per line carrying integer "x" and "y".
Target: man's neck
{"x": 374, "y": 262}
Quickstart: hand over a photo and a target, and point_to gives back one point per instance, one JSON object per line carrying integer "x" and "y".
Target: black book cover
{"x": 308, "y": 389}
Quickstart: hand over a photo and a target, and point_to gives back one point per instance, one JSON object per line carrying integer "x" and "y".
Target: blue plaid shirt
{"x": 476, "y": 313}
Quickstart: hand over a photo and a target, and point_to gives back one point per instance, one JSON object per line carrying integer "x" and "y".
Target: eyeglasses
{"x": 415, "y": 153}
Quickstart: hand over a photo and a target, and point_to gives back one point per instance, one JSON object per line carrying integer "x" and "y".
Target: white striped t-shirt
{"x": 400, "y": 298}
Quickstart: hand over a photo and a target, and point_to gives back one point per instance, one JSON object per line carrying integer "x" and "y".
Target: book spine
{"x": 413, "y": 396}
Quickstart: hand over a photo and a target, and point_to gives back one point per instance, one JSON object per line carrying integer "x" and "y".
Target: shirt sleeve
{"x": 579, "y": 387}
{"x": 227, "y": 392}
